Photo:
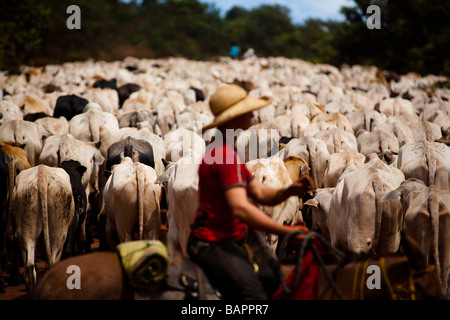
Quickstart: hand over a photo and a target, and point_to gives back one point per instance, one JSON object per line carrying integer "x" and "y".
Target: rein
{"x": 305, "y": 244}
{"x": 397, "y": 292}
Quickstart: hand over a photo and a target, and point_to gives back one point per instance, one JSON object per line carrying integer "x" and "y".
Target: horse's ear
{"x": 413, "y": 251}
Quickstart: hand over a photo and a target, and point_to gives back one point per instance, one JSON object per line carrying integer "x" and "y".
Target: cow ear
{"x": 312, "y": 203}
{"x": 166, "y": 163}
{"x": 97, "y": 144}
{"x": 99, "y": 158}
{"x": 304, "y": 170}
{"x": 163, "y": 180}
{"x": 81, "y": 169}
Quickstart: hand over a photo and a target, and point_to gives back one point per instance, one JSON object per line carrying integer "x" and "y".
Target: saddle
{"x": 153, "y": 275}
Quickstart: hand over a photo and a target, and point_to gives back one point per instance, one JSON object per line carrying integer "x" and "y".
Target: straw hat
{"x": 232, "y": 101}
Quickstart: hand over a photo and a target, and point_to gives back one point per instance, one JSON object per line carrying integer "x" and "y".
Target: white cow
{"x": 43, "y": 204}
{"x": 425, "y": 130}
{"x": 365, "y": 119}
{"x": 427, "y": 161}
{"x": 9, "y": 111}
{"x": 336, "y": 119}
{"x": 25, "y": 132}
{"x": 95, "y": 125}
{"x": 66, "y": 147}
{"x": 107, "y": 98}
{"x": 167, "y": 112}
{"x": 337, "y": 140}
{"x": 399, "y": 127}
{"x": 98, "y": 126}
{"x": 56, "y": 126}
{"x": 272, "y": 172}
{"x": 131, "y": 203}
{"x": 384, "y": 143}
{"x": 427, "y": 220}
{"x": 292, "y": 124}
{"x": 337, "y": 164}
{"x": 182, "y": 200}
{"x": 257, "y": 142}
{"x": 193, "y": 120}
{"x": 181, "y": 142}
{"x": 360, "y": 222}
{"x": 396, "y": 107}
{"x": 312, "y": 150}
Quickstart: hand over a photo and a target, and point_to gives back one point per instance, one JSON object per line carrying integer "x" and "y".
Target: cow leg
{"x": 102, "y": 231}
{"x": 423, "y": 235}
{"x": 81, "y": 236}
{"x": 112, "y": 236}
{"x": 69, "y": 244}
{"x": 444, "y": 254}
{"x": 57, "y": 241}
{"x": 28, "y": 251}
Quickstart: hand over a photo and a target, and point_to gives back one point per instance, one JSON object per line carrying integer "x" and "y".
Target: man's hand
{"x": 297, "y": 240}
{"x": 301, "y": 186}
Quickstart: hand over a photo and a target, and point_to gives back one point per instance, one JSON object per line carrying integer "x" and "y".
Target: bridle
{"x": 397, "y": 292}
{"x": 317, "y": 255}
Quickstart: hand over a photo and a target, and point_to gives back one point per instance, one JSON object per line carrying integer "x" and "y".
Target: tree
{"x": 414, "y": 36}
{"x": 22, "y": 23}
{"x": 316, "y": 41}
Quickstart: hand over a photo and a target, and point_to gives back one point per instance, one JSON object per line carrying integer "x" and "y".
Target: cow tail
{"x": 42, "y": 194}
{"x": 337, "y": 141}
{"x": 433, "y": 207}
{"x": 314, "y": 165}
{"x": 94, "y": 128}
{"x": 367, "y": 122}
{"x": 431, "y": 162}
{"x": 378, "y": 191}
{"x": 140, "y": 173}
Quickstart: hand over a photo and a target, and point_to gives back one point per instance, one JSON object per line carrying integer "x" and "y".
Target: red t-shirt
{"x": 221, "y": 169}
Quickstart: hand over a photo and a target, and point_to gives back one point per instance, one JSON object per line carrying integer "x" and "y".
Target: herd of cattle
{"x": 96, "y": 148}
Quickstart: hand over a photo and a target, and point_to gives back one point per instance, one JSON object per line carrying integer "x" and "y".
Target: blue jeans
{"x": 230, "y": 272}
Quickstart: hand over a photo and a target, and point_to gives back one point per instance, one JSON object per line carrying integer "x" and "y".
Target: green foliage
{"x": 414, "y": 34}
{"x": 20, "y": 38}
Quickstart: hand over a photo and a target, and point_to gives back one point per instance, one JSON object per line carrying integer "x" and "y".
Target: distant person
{"x": 234, "y": 52}
{"x": 250, "y": 53}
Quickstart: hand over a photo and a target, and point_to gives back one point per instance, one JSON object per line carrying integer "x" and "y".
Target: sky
{"x": 300, "y": 10}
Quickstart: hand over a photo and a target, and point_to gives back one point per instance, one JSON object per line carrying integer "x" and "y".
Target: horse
{"x": 402, "y": 276}
{"x": 102, "y": 276}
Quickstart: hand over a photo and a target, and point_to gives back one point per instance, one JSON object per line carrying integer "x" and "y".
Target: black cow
{"x": 74, "y": 243}
{"x": 137, "y": 149}
{"x": 199, "y": 95}
{"x": 69, "y": 106}
{"x": 105, "y": 84}
{"x": 285, "y": 140}
{"x": 125, "y": 90}
{"x": 34, "y": 116}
